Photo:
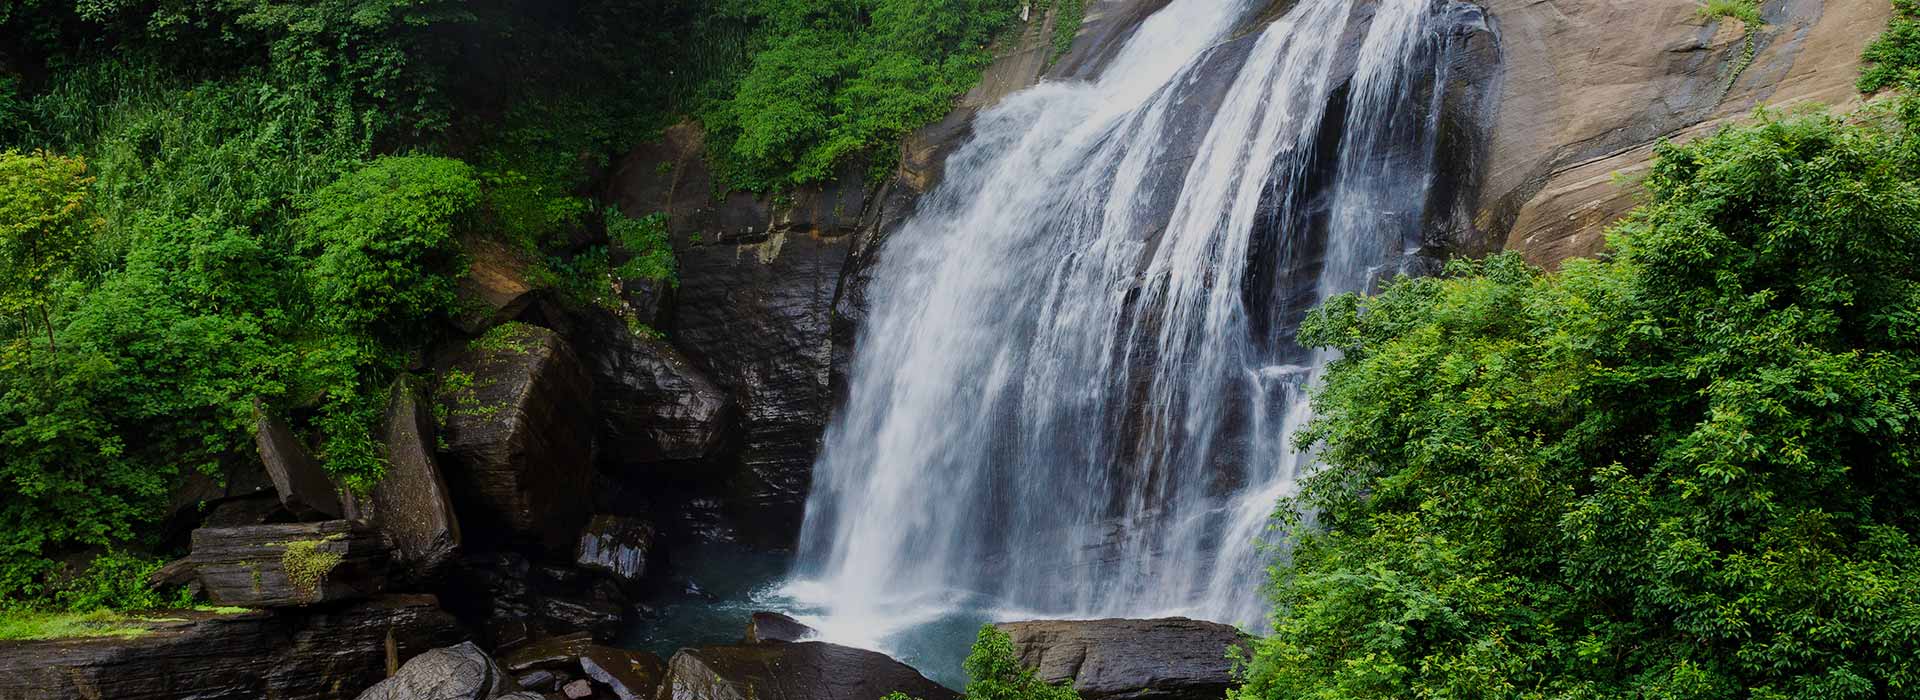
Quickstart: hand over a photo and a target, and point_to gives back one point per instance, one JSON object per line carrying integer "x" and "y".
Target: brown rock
{"x": 798, "y": 671}
{"x": 518, "y": 435}
{"x": 1167, "y": 659}
{"x": 322, "y": 654}
{"x": 295, "y": 564}
{"x": 304, "y": 487}
{"x": 1588, "y": 87}
{"x": 495, "y": 289}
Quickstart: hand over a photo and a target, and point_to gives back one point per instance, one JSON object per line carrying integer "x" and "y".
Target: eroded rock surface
{"x": 616, "y": 546}
{"x": 1166, "y": 659}
{"x": 1587, "y": 87}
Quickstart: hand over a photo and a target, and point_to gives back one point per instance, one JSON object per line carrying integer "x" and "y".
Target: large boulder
{"x": 797, "y": 671}
{"x": 304, "y": 487}
{"x": 653, "y": 405}
{"x": 291, "y": 564}
{"x": 518, "y": 432}
{"x": 460, "y": 672}
{"x": 1167, "y": 659}
{"x": 411, "y": 504}
{"x": 320, "y": 654}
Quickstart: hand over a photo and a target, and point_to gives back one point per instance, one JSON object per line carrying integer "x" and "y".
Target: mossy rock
{"x": 290, "y": 565}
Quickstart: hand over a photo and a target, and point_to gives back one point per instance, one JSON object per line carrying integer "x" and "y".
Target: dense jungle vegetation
{"x": 1687, "y": 469}
{"x": 209, "y": 203}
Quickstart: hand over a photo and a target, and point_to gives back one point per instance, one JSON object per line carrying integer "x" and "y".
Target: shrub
{"x": 1894, "y": 58}
{"x": 385, "y": 241}
{"x": 1683, "y": 470}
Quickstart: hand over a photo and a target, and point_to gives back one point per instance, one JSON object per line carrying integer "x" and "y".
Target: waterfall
{"x": 1076, "y": 389}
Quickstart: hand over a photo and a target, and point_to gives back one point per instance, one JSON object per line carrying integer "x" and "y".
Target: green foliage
{"x": 1067, "y": 25}
{"x": 1747, "y": 12}
{"x": 646, "y": 245}
{"x": 1894, "y": 57}
{"x": 384, "y": 237}
{"x": 1687, "y": 469}
{"x": 307, "y": 565}
{"x": 44, "y": 223}
{"x": 994, "y": 673}
{"x": 22, "y": 625}
{"x": 841, "y": 80}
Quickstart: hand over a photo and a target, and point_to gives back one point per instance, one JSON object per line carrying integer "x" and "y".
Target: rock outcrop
{"x": 411, "y": 504}
{"x": 304, "y": 487}
{"x": 294, "y": 564}
{"x": 797, "y": 671}
{"x": 653, "y": 405}
{"x": 1588, "y": 87}
{"x": 319, "y": 654}
{"x": 1166, "y": 659}
{"x": 519, "y": 436}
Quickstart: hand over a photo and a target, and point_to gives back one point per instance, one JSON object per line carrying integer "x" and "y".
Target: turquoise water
{"x": 719, "y": 584}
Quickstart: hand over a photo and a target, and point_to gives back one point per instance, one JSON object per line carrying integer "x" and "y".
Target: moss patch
{"x": 26, "y": 625}
{"x": 306, "y": 565}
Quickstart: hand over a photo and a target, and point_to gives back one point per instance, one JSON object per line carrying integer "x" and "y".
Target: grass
{"x": 26, "y": 625}
{"x": 17, "y": 626}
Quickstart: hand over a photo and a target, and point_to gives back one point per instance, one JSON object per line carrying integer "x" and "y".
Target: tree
{"x": 1687, "y": 469}
{"x": 45, "y": 223}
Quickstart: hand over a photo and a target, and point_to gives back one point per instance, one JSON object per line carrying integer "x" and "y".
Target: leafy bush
{"x": 45, "y": 221}
{"x": 1684, "y": 470}
{"x": 384, "y": 237}
{"x": 1894, "y": 57}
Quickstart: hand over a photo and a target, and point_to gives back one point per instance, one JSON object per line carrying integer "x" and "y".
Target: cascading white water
{"x": 1076, "y": 389}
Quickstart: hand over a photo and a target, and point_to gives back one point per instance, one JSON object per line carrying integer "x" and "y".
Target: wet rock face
{"x": 295, "y": 564}
{"x": 518, "y": 430}
{"x": 412, "y": 504}
{"x": 1167, "y": 659}
{"x": 617, "y": 546}
{"x": 653, "y": 405}
{"x": 798, "y": 671}
{"x": 461, "y": 672}
{"x": 304, "y": 487}
{"x": 288, "y": 655}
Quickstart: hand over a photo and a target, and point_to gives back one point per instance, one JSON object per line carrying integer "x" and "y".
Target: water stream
{"x": 1076, "y": 389}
